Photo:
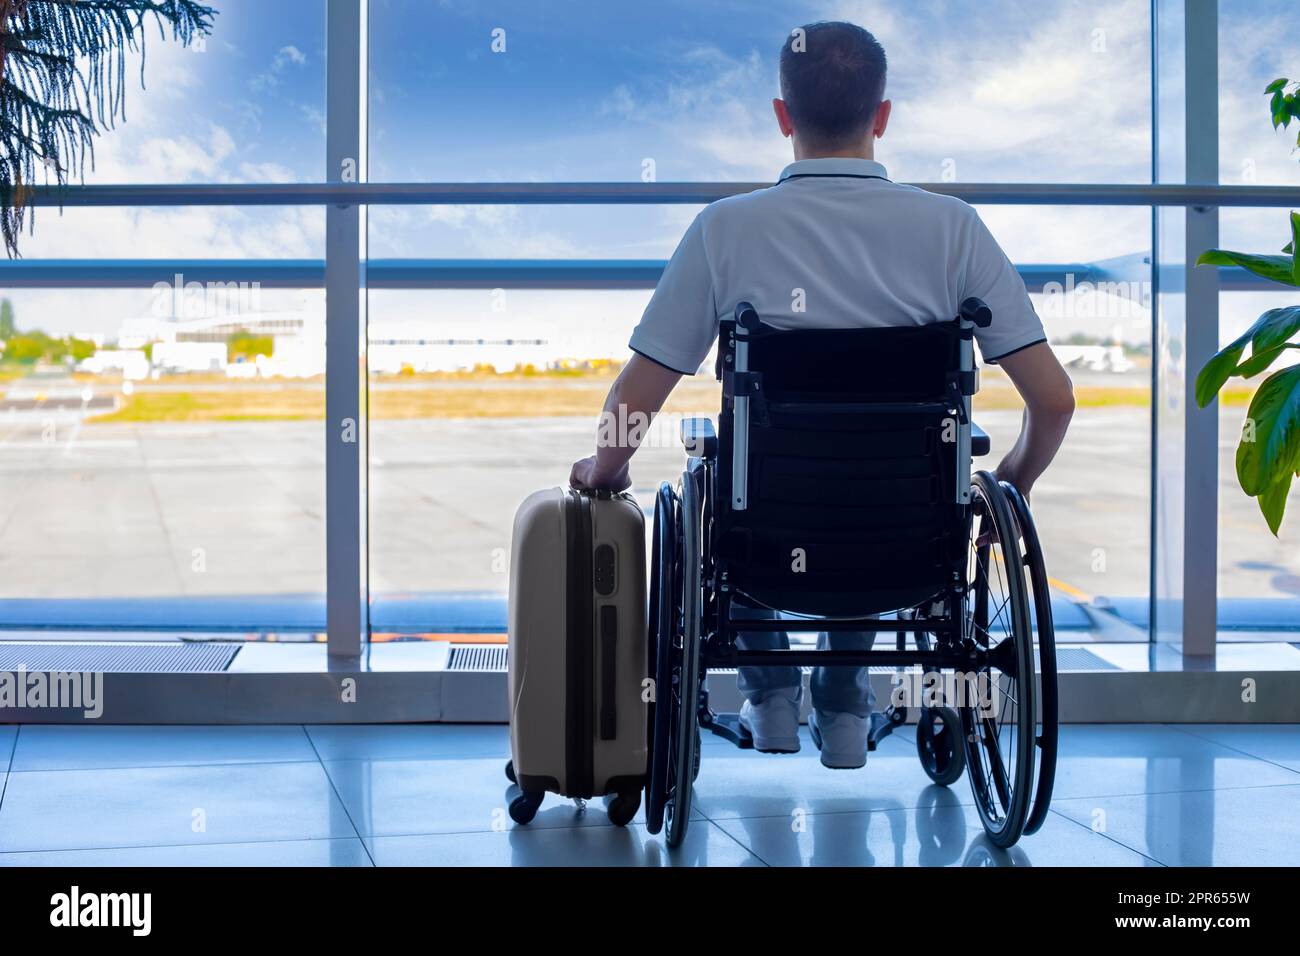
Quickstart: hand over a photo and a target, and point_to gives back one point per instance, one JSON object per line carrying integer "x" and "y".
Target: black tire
{"x": 684, "y": 693}
{"x": 524, "y": 807}
{"x": 940, "y": 748}
{"x": 1000, "y": 746}
{"x": 939, "y": 744}
{"x": 622, "y": 808}
{"x": 510, "y": 771}
{"x": 1045, "y": 658}
{"x": 664, "y": 601}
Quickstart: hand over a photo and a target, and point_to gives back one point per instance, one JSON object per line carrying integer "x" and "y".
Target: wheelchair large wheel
{"x": 684, "y": 739}
{"x": 664, "y": 615}
{"x": 1045, "y": 658}
{"x": 999, "y": 727}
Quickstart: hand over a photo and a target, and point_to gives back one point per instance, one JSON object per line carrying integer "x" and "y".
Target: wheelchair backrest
{"x": 842, "y": 483}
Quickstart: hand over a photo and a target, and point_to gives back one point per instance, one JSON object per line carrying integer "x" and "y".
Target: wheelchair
{"x": 838, "y": 490}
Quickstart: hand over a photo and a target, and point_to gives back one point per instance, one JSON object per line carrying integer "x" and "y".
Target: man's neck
{"x": 857, "y": 152}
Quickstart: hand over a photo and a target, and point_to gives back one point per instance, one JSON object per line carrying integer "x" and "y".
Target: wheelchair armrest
{"x": 980, "y": 444}
{"x": 698, "y": 438}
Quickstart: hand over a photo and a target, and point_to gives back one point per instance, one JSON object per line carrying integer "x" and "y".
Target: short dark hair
{"x": 832, "y": 81}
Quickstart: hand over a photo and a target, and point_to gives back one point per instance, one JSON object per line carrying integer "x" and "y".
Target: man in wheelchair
{"x": 834, "y": 247}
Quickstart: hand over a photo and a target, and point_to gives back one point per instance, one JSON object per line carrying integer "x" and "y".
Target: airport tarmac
{"x": 121, "y": 510}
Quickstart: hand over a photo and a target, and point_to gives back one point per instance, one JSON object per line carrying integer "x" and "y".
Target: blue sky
{"x": 1012, "y": 90}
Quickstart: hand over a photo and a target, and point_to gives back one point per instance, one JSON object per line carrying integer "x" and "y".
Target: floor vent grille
{"x": 1081, "y": 659}
{"x": 118, "y": 657}
{"x": 493, "y": 658}
{"x": 478, "y": 657}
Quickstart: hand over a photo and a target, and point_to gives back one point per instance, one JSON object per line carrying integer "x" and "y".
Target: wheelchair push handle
{"x": 975, "y": 311}
{"x": 747, "y": 317}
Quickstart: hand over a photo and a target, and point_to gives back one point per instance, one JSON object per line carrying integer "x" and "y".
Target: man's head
{"x": 832, "y": 90}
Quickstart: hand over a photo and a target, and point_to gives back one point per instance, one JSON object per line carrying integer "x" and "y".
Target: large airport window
{"x": 1009, "y": 91}
{"x": 1257, "y": 45}
{"x": 244, "y": 104}
{"x": 1092, "y": 505}
{"x": 1259, "y": 574}
{"x": 163, "y": 459}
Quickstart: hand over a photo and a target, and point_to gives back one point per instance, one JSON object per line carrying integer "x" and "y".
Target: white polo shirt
{"x": 834, "y": 244}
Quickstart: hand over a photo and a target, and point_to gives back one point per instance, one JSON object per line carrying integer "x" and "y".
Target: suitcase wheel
{"x": 524, "y": 807}
{"x": 623, "y": 808}
{"x": 510, "y": 771}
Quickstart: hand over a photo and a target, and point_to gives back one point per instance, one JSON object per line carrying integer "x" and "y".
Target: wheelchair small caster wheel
{"x": 623, "y": 808}
{"x": 510, "y": 771}
{"x": 939, "y": 744}
{"x": 524, "y": 807}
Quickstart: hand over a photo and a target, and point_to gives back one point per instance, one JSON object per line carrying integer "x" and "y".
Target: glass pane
{"x": 680, "y": 90}
{"x": 244, "y": 104}
{"x": 1257, "y": 45}
{"x": 1259, "y": 574}
{"x": 163, "y": 454}
{"x": 1091, "y": 507}
{"x": 477, "y": 399}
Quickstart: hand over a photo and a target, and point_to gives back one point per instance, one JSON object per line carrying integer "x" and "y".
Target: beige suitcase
{"x": 578, "y": 651}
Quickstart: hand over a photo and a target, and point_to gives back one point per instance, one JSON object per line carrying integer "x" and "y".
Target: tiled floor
{"x": 436, "y": 795}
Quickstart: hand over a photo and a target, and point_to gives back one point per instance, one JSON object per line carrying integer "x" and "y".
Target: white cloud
{"x": 289, "y": 54}
{"x": 619, "y": 102}
{"x": 285, "y": 57}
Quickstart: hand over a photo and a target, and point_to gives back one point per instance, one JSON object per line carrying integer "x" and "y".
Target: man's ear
{"x": 882, "y": 119}
{"x": 782, "y": 117}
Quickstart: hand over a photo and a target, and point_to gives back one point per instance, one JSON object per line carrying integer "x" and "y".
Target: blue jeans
{"x": 837, "y": 690}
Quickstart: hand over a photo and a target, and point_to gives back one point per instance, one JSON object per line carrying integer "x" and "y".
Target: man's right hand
{"x": 586, "y": 475}
{"x": 1009, "y": 473}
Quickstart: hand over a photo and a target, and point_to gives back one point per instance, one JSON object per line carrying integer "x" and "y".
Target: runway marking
{"x": 1070, "y": 590}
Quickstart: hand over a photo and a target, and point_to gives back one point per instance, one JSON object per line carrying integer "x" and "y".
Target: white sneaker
{"x": 773, "y": 723}
{"x": 842, "y": 739}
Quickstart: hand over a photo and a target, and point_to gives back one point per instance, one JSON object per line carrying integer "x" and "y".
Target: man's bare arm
{"x": 1049, "y": 405}
{"x": 633, "y": 401}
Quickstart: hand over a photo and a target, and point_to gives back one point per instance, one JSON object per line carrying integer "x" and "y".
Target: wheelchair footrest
{"x": 728, "y": 727}
{"x": 882, "y": 725}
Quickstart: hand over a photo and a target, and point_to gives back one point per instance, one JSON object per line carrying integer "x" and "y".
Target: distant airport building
{"x": 133, "y": 364}
{"x": 189, "y": 356}
{"x": 395, "y": 346}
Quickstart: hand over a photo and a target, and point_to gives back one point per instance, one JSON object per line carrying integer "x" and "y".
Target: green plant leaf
{"x": 1294, "y": 246}
{"x": 1276, "y": 268}
{"x": 1273, "y": 503}
{"x": 1260, "y": 360}
{"x": 1277, "y": 108}
{"x": 1275, "y": 449}
{"x": 1274, "y": 327}
{"x": 1268, "y": 333}
{"x": 1218, "y": 370}
{"x": 1276, "y": 85}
